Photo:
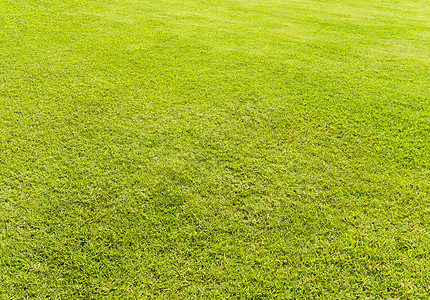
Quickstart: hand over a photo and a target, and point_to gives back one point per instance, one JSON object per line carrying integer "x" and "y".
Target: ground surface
{"x": 214, "y": 149}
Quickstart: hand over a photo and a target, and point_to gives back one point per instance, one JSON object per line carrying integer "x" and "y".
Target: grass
{"x": 248, "y": 149}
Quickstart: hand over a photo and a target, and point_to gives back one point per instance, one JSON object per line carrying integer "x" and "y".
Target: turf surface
{"x": 215, "y": 149}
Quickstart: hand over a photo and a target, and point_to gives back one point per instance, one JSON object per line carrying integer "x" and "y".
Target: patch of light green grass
{"x": 221, "y": 149}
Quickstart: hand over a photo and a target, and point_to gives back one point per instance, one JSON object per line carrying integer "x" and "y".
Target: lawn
{"x": 225, "y": 149}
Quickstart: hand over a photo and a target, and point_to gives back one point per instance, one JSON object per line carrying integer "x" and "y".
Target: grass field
{"x": 225, "y": 149}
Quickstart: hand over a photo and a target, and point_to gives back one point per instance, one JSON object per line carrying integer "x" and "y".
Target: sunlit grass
{"x": 214, "y": 149}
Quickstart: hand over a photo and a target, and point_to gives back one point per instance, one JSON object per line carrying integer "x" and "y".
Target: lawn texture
{"x": 225, "y": 149}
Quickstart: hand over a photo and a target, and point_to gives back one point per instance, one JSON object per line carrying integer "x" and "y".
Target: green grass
{"x": 248, "y": 149}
